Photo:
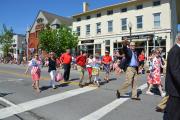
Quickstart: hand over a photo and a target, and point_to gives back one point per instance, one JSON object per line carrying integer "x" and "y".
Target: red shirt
{"x": 141, "y": 57}
{"x": 81, "y": 60}
{"x": 66, "y": 58}
{"x": 107, "y": 59}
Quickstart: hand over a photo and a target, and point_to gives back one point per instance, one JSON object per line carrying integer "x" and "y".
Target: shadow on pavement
{"x": 5, "y": 94}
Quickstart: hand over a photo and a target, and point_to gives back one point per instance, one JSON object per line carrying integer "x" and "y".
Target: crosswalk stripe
{"x": 20, "y": 108}
{"x": 108, "y": 108}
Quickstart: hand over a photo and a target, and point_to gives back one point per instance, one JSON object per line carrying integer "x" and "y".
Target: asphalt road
{"x": 19, "y": 101}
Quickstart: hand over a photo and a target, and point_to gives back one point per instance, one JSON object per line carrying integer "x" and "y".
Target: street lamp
{"x": 27, "y": 41}
{"x": 130, "y": 28}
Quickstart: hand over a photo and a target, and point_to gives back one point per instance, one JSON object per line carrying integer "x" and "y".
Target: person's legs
{"x": 53, "y": 77}
{"x": 161, "y": 91}
{"x": 134, "y": 85}
{"x": 127, "y": 82}
{"x": 81, "y": 70}
{"x": 37, "y": 86}
{"x": 149, "y": 90}
{"x": 68, "y": 71}
{"x": 65, "y": 66}
{"x": 161, "y": 106}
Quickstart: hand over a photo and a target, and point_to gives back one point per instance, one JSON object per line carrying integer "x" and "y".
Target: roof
{"x": 51, "y": 17}
{"x": 123, "y": 4}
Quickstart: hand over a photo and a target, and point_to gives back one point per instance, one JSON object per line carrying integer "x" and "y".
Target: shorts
{"x": 81, "y": 69}
{"x": 107, "y": 68}
{"x": 89, "y": 69}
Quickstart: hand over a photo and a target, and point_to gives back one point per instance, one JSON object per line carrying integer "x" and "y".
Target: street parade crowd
{"x": 129, "y": 62}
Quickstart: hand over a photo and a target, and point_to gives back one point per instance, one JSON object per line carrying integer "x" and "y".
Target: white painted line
{"x": 108, "y": 108}
{"x": 9, "y": 111}
{"x": 7, "y": 102}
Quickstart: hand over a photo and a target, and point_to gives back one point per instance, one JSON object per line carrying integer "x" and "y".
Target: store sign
{"x": 138, "y": 37}
{"x": 87, "y": 41}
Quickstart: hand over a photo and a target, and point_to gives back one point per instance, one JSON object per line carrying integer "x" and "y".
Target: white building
{"x": 19, "y": 45}
{"x": 153, "y": 23}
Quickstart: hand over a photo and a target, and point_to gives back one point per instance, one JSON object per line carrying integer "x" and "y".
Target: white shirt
{"x": 89, "y": 62}
{"x": 178, "y": 44}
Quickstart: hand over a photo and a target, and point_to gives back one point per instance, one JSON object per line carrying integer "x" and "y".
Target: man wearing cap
{"x": 131, "y": 71}
{"x": 66, "y": 59}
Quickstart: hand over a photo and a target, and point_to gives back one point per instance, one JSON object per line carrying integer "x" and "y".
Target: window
{"x": 139, "y": 7}
{"x": 139, "y": 22}
{"x": 98, "y": 28}
{"x": 98, "y": 48}
{"x": 109, "y": 12}
{"x": 78, "y": 29}
{"x": 88, "y": 17}
{"x": 124, "y": 10}
{"x": 87, "y": 29}
{"x": 110, "y": 26}
{"x": 78, "y": 19}
{"x": 157, "y": 3}
{"x": 124, "y": 23}
{"x": 157, "y": 22}
{"x": 98, "y": 15}
{"x": 107, "y": 45}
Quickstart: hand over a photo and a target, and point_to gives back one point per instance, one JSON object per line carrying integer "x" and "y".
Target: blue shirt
{"x": 133, "y": 62}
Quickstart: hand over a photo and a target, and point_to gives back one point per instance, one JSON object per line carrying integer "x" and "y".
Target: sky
{"x": 19, "y": 14}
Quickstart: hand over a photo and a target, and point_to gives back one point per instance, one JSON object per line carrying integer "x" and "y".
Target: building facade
{"x": 43, "y": 18}
{"x": 150, "y": 23}
{"x": 19, "y": 46}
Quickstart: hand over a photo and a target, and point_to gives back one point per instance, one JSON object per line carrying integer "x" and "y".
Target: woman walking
{"x": 89, "y": 67}
{"x": 35, "y": 64}
{"x": 154, "y": 77}
{"x": 52, "y": 69}
{"x": 107, "y": 60}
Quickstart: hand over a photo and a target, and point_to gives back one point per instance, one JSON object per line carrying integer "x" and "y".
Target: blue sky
{"x": 19, "y": 14}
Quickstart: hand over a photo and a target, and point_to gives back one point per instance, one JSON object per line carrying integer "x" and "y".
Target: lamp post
{"x": 27, "y": 41}
{"x": 130, "y": 30}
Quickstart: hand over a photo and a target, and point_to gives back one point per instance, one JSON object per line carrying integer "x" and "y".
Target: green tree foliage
{"x": 6, "y": 39}
{"x": 57, "y": 40}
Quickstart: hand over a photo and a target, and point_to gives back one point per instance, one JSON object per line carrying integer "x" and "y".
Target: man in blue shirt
{"x": 131, "y": 71}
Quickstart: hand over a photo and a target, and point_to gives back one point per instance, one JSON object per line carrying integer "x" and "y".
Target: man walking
{"x": 66, "y": 59}
{"x": 131, "y": 72}
{"x": 172, "y": 83}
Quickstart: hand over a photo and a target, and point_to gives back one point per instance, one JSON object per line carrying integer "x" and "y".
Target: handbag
{"x": 59, "y": 77}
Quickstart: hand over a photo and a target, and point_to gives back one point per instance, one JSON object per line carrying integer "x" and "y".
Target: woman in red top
{"x": 81, "y": 65}
{"x": 106, "y": 60}
{"x": 141, "y": 59}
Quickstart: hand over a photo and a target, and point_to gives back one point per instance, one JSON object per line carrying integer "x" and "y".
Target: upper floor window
{"x": 124, "y": 24}
{"x": 139, "y": 7}
{"x": 157, "y": 20}
{"x": 88, "y": 29}
{"x": 88, "y": 17}
{"x": 124, "y": 10}
{"x": 109, "y": 12}
{"x": 78, "y": 30}
{"x": 157, "y": 3}
{"x": 98, "y": 28}
{"x": 78, "y": 19}
{"x": 110, "y": 26}
{"x": 139, "y": 22}
{"x": 98, "y": 15}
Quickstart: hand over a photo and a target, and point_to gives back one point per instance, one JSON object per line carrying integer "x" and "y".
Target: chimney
{"x": 85, "y": 6}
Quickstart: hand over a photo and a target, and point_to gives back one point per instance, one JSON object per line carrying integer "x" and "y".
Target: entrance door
{"x": 90, "y": 49}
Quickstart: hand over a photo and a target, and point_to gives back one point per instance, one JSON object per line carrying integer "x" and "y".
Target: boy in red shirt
{"x": 81, "y": 65}
{"x": 106, "y": 60}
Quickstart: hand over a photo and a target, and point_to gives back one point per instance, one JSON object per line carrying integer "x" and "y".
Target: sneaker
{"x": 149, "y": 93}
{"x": 163, "y": 94}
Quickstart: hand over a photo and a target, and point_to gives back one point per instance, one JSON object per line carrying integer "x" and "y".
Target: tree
{"x": 6, "y": 39}
{"x": 57, "y": 40}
